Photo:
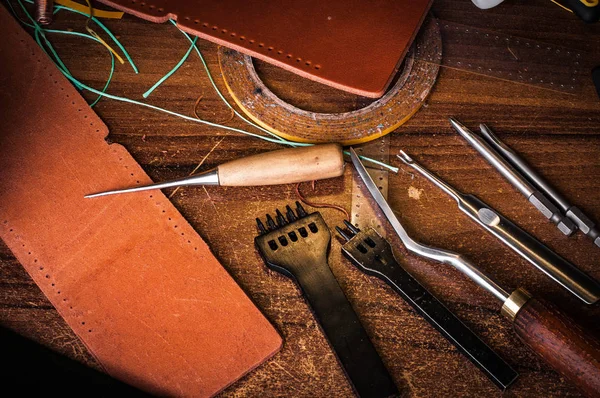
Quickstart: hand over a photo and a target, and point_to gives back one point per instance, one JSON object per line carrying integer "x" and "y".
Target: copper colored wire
{"x": 320, "y": 205}
{"x": 43, "y": 11}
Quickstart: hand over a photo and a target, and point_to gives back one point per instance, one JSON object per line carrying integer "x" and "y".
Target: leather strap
{"x": 352, "y": 45}
{"x": 128, "y": 274}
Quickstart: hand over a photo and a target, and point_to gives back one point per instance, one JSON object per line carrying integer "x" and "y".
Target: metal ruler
{"x": 363, "y": 214}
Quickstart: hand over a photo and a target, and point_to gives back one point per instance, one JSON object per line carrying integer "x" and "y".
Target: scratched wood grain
{"x": 557, "y": 133}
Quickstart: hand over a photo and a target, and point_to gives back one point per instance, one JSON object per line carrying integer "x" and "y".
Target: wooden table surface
{"x": 556, "y": 132}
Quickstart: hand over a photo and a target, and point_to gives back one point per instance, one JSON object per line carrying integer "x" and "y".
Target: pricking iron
{"x": 373, "y": 255}
{"x": 297, "y": 246}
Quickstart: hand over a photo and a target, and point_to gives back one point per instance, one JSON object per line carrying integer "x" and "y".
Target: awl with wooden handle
{"x": 549, "y": 333}
{"x": 284, "y": 166}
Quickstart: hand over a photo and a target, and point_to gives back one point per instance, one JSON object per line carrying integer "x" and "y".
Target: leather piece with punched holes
{"x": 129, "y": 275}
{"x": 353, "y": 45}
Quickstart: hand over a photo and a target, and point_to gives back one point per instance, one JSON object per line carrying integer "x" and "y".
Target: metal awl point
{"x": 210, "y": 177}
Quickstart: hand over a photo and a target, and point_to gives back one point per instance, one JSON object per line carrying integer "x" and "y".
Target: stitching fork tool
{"x": 528, "y": 247}
{"x": 373, "y": 255}
{"x": 549, "y": 333}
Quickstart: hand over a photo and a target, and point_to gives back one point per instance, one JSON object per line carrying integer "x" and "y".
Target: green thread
{"x": 177, "y": 66}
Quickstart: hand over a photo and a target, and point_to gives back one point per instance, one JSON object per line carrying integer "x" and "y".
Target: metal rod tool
{"x": 583, "y": 223}
{"x": 285, "y": 166}
{"x": 514, "y": 176}
{"x": 549, "y": 333}
{"x": 531, "y": 249}
{"x": 373, "y": 255}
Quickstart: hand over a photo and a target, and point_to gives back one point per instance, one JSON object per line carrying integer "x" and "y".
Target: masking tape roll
{"x": 379, "y": 118}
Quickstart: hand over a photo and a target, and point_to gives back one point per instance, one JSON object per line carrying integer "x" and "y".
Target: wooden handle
{"x": 561, "y": 343}
{"x": 284, "y": 166}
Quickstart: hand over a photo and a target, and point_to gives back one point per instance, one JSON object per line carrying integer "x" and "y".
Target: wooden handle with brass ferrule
{"x": 284, "y": 166}
{"x": 556, "y": 338}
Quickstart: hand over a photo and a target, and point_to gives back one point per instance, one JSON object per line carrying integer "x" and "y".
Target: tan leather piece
{"x": 130, "y": 276}
{"x": 353, "y": 45}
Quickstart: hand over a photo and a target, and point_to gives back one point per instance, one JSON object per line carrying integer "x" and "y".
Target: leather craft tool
{"x": 373, "y": 255}
{"x": 540, "y": 187}
{"x": 297, "y": 245}
{"x": 549, "y": 333}
{"x": 516, "y": 176}
{"x": 363, "y": 213}
{"x": 130, "y": 276}
{"x": 285, "y": 166}
{"x": 351, "y": 45}
{"x": 531, "y": 249}
{"x": 414, "y": 82}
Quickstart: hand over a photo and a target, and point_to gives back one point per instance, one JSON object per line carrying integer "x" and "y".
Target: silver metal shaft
{"x": 509, "y": 172}
{"x": 522, "y": 166}
{"x": 441, "y": 255}
{"x": 210, "y": 177}
{"x": 583, "y": 222}
{"x": 533, "y": 195}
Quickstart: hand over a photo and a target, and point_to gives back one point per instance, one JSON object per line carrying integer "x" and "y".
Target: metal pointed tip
{"x": 456, "y": 124}
{"x": 342, "y": 233}
{"x": 461, "y": 128}
{"x": 270, "y": 223}
{"x": 289, "y": 213}
{"x": 487, "y": 132}
{"x": 351, "y": 227}
{"x": 300, "y": 210}
{"x": 261, "y": 227}
{"x": 404, "y": 157}
{"x": 96, "y": 195}
{"x": 280, "y": 218}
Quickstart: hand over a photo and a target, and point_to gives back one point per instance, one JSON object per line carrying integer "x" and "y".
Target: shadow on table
{"x": 30, "y": 368}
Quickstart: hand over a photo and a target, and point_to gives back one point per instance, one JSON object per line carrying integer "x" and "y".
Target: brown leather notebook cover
{"x": 129, "y": 275}
{"x": 353, "y": 45}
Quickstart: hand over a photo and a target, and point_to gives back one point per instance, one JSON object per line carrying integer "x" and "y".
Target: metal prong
{"x": 430, "y": 176}
{"x": 261, "y": 227}
{"x": 210, "y": 177}
{"x": 351, "y": 227}
{"x": 270, "y": 223}
{"x": 404, "y": 157}
{"x": 280, "y": 218}
{"x": 290, "y": 214}
{"x": 300, "y": 210}
{"x": 342, "y": 233}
